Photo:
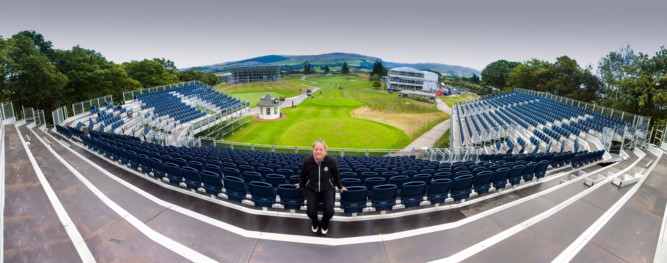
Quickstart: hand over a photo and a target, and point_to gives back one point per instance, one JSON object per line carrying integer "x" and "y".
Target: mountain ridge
{"x": 335, "y": 60}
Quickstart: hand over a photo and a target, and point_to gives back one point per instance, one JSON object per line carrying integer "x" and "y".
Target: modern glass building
{"x": 405, "y": 78}
{"x": 248, "y": 74}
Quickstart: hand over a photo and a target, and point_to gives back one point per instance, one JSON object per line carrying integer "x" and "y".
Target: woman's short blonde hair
{"x": 320, "y": 142}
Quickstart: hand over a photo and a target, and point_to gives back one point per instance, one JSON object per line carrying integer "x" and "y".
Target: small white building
{"x": 405, "y": 78}
{"x": 269, "y": 107}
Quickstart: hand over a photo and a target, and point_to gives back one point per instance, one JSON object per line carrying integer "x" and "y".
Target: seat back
{"x": 351, "y": 182}
{"x": 290, "y": 196}
{"x": 213, "y": 168}
{"x": 354, "y": 199}
{"x": 173, "y": 173}
{"x": 191, "y": 177}
{"x": 399, "y": 180}
{"x": 541, "y": 169}
{"x": 426, "y": 178}
{"x": 412, "y": 193}
{"x": 197, "y": 165}
{"x": 529, "y": 171}
{"x": 514, "y": 177}
{"x": 462, "y": 186}
{"x": 275, "y": 179}
{"x": 235, "y": 188}
{"x": 229, "y": 171}
{"x": 372, "y": 182}
{"x": 384, "y": 197}
{"x": 438, "y": 190}
{"x": 157, "y": 167}
{"x": 250, "y": 176}
{"x": 262, "y": 194}
{"x": 212, "y": 182}
{"x": 482, "y": 182}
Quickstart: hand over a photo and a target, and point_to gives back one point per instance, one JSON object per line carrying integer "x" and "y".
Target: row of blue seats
{"x": 541, "y": 136}
{"x": 552, "y": 133}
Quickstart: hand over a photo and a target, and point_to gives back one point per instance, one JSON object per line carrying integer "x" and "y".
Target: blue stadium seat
{"x": 191, "y": 177}
{"x": 197, "y": 165}
{"x": 529, "y": 171}
{"x": 354, "y": 199}
{"x": 157, "y": 167}
{"x": 372, "y": 182}
{"x": 213, "y": 168}
{"x": 426, "y": 178}
{"x": 229, "y": 171}
{"x": 412, "y": 193}
{"x": 348, "y": 175}
{"x": 462, "y": 187}
{"x": 262, "y": 194}
{"x": 294, "y": 179}
{"x": 482, "y": 182}
{"x": 437, "y": 190}
{"x": 145, "y": 163}
{"x": 173, "y": 173}
{"x": 290, "y": 196}
{"x": 235, "y": 188}
{"x": 514, "y": 177}
{"x": 399, "y": 180}
{"x": 384, "y": 197}
{"x": 541, "y": 169}
{"x": 499, "y": 178}
{"x": 212, "y": 182}
{"x": 275, "y": 179}
{"x": 351, "y": 182}
{"x": 250, "y": 176}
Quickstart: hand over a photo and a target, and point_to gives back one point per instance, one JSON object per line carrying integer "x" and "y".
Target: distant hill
{"x": 335, "y": 61}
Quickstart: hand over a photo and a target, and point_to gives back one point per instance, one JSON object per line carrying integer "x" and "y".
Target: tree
{"x": 378, "y": 69}
{"x": 326, "y": 69}
{"x": 474, "y": 79}
{"x": 345, "y": 69}
{"x": 306, "y": 68}
{"x": 497, "y": 73}
{"x": 31, "y": 79}
{"x": 198, "y": 74}
{"x": 91, "y": 75}
{"x": 43, "y": 46}
{"x": 614, "y": 67}
{"x": 152, "y": 73}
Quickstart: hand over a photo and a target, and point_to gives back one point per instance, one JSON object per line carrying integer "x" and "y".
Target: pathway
{"x": 429, "y": 138}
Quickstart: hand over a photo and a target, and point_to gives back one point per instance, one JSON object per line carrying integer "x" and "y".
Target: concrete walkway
{"x": 429, "y": 138}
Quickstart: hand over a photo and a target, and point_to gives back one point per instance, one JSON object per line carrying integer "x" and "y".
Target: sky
{"x": 471, "y": 33}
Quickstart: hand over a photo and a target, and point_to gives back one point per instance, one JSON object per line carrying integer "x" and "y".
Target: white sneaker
{"x": 314, "y": 228}
{"x": 324, "y": 231}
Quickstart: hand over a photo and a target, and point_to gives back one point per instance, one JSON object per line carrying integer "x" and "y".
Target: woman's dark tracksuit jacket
{"x": 316, "y": 179}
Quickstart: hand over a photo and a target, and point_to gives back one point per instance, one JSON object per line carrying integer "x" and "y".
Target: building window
{"x": 275, "y": 110}
{"x": 268, "y": 111}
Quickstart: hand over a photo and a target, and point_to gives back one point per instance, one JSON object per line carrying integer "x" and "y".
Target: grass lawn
{"x": 451, "y": 99}
{"x": 336, "y": 115}
{"x": 444, "y": 141}
{"x": 287, "y": 87}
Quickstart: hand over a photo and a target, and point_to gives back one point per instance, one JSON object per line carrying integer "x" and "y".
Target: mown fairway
{"x": 386, "y": 123}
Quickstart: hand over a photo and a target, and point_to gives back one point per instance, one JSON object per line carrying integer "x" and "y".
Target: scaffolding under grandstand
{"x": 249, "y": 74}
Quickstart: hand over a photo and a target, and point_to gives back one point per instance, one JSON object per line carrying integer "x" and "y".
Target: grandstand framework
{"x": 250, "y": 74}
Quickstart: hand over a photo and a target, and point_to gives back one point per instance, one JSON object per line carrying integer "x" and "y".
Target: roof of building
{"x": 427, "y": 74}
{"x": 268, "y": 101}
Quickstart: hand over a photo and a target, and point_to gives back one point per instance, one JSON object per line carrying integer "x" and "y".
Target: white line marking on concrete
{"x": 159, "y": 238}
{"x": 474, "y": 249}
{"x": 576, "y": 246}
{"x": 70, "y": 228}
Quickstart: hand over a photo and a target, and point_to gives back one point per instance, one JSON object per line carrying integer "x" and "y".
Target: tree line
{"x": 34, "y": 74}
{"x": 624, "y": 80}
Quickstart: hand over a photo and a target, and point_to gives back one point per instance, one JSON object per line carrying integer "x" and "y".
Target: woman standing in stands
{"x": 316, "y": 174}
